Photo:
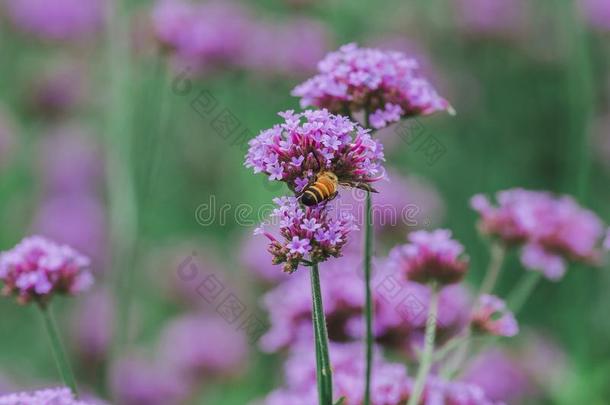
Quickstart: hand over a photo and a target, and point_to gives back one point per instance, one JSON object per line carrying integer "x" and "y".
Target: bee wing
{"x": 360, "y": 185}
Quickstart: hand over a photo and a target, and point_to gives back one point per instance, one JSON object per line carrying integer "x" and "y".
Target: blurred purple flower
{"x": 597, "y": 13}
{"x": 202, "y": 34}
{"x": 438, "y": 391}
{"x": 49, "y": 396}
{"x": 403, "y": 204}
{"x": 386, "y": 83}
{"x": 553, "y": 229}
{"x": 431, "y": 257}
{"x": 315, "y": 140}
{"x": 291, "y": 47}
{"x": 59, "y": 90}
{"x": 92, "y": 326}
{"x": 255, "y": 258}
{"x": 491, "y": 17}
{"x": 70, "y": 161}
{"x": 400, "y": 307}
{"x": 135, "y": 381}
{"x": 499, "y": 375}
{"x": 222, "y": 351}
{"x": 491, "y": 316}
{"x": 76, "y": 220}
{"x": 37, "y": 268}
{"x": 390, "y": 383}
{"x": 58, "y": 19}
{"x": 298, "y": 242}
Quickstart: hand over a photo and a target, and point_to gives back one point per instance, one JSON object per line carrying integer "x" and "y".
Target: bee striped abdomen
{"x": 323, "y": 189}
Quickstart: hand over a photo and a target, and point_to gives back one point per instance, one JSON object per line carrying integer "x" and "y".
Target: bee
{"x": 325, "y": 188}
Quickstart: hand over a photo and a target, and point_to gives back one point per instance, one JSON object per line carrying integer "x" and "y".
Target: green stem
{"x": 323, "y": 370}
{"x": 426, "y": 359}
{"x": 493, "y": 270}
{"x": 518, "y": 297}
{"x": 63, "y": 365}
{"x": 121, "y": 191}
{"x": 368, "y": 308}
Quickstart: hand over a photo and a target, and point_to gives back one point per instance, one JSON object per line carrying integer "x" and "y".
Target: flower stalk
{"x": 427, "y": 355}
{"x": 498, "y": 252}
{"x": 368, "y": 306}
{"x": 61, "y": 360}
{"x": 323, "y": 370}
{"x": 518, "y": 297}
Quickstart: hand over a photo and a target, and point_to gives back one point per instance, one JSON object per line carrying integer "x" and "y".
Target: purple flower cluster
{"x": 597, "y": 13}
{"x": 431, "y": 257}
{"x": 37, "y": 268}
{"x": 202, "y": 33}
{"x": 491, "y": 316}
{"x": 390, "y": 383}
{"x": 387, "y": 84}
{"x": 64, "y": 20}
{"x": 309, "y": 142}
{"x": 551, "y": 229}
{"x": 309, "y": 235}
{"x": 50, "y": 396}
{"x": 399, "y": 323}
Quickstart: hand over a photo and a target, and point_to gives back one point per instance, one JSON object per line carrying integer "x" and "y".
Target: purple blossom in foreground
{"x": 223, "y": 352}
{"x": 491, "y": 316}
{"x": 50, "y": 396}
{"x": 399, "y": 321}
{"x": 309, "y": 142}
{"x": 63, "y": 20}
{"x": 552, "y": 229}
{"x": 499, "y": 375}
{"x": 306, "y": 235}
{"x": 431, "y": 257}
{"x": 390, "y": 383}
{"x": 38, "y": 268}
{"x": 387, "y": 84}
{"x": 202, "y": 34}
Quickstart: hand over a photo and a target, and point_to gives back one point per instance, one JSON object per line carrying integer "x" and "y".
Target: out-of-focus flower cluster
{"x": 50, "y": 396}
{"x": 551, "y": 230}
{"x": 38, "y": 268}
{"x": 431, "y": 257}
{"x": 385, "y": 83}
{"x": 309, "y": 234}
{"x": 65, "y": 20}
{"x": 493, "y": 317}
{"x": 205, "y": 35}
{"x": 309, "y": 142}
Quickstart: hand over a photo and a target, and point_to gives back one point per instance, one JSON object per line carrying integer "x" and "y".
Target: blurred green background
{"x": 528, "y": 101}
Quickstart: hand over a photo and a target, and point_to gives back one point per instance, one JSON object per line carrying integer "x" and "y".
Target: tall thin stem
{"x": 426, "y": 359}
{"x": 323, "y": 370}
{"x": 493, "y": 270}
{"x": 518, "y": 297}
{"x": 61, "y": 360}
{"x": 368, "y": 306}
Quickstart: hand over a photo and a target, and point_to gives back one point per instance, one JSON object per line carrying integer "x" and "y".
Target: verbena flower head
{"x": 70, "y": 20}
{"x": 491, "y": 316}
{"x": 38, "y": 268}
{"x": 552, "y": 229}
{"x": 49, "y": 396}
{"x": 309, "y": 235}
{"x": 309, "y": 142}
{"x": 388, "y": 84}
{"x": 431, "y": 257}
